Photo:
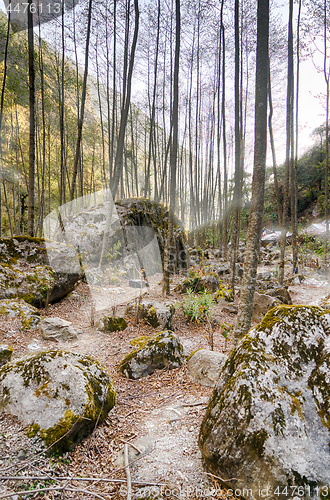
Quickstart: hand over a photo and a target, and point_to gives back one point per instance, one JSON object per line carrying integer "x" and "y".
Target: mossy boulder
{"x": 18, "y": 308}
{"x": 6, "y": 353}
{"x": 268, "y": 420}
{"x": 59, "y": 396}
{"x": 164, "y": 350}
{"x": 141, "y": 212}
{"x": 156, "y": 314}
{"x": 34, "y": 273}
{"x": 139, "y": 341}
{"x": 112, "y": 324}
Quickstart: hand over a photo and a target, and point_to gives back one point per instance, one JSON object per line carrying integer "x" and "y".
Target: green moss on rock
{"x": 111, "y": 324}
{"x": 19, "y": 308}
{"x": 164, "y": 350}
{"x": 140, "y": 341}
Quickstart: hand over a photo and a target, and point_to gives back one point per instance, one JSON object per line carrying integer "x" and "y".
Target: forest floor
{"x": 159, "y": 415}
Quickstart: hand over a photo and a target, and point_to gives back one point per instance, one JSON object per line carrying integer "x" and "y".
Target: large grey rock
{"x": 262, "y": 304}
{"x": 138, "y": 229}
{"x": 204, "y": 366}
{"x": 57, "y": 329}
{"x": 59, "y": 396}
{"x": 38, "y": 275}
{"x": 18, "y": 308}
{"x": 164, "y": 350}
{"x": 267, "y": 422}
{"x": 6, "y": 353}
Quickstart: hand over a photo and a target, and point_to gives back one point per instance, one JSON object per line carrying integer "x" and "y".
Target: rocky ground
{"x": 159, "y": 416}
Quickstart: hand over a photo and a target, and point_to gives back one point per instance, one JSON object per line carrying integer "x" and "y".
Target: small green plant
{"x": 198, "y": 307}
{"x": 114, "y": 251}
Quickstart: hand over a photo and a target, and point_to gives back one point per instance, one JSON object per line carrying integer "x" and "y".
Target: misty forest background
{"x": 148, "y": 96}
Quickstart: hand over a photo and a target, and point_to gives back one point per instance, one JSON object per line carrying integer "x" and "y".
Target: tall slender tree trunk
{"x": 125, "y": 108}
{"x": 294, "y": 152}
{"x": 272, "y": 145}
{"x": 118, "y": 170}
{"x": 236, "y": 200}
{"x": 168, "y": 253}
{"x": 77, "y": 156}
{"x": 31, "y": 191}
{"x": 153, "y": 110}
{"x": 258, "y": 183}
{"x": 326, "y": 72}
{"x": 61, "y": 110}
{"x": 1, "y": 110}
{"x": 224, "y": 140}
{"x": 289, "y": 105}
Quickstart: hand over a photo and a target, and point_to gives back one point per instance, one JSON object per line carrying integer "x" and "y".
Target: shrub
{"x": 198, "y": 307}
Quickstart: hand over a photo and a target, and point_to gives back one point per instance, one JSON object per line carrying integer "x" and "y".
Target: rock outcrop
{"x": 137, "y": 230}
{"x": 273, "y": 289}
{"x": 267, "y": 423}
{"x": 164, "y": 350}
{"x": 59, "y": 396}
{"x": 38, "y": 275}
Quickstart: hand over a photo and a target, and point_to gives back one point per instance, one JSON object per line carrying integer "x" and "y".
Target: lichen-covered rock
{"x": 268, "y": 420}
{"x": 164, "y": 350}
{"x": 6, "y": 353}
{"x": 38, "y": 275}
{"x": 57, "y": 329}
{"x": 59, "y": 396}
{"x": 145, "y": 213}
{"x": 262, "y": 304}
{"x": 18, "y": 308}
{"x": 204, "y": 366}
{"x": 111, "y": 324}
{"x": 157, "y": 314}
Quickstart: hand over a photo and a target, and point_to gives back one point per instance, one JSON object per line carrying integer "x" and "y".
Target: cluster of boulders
{"x": 266, "y": 428}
